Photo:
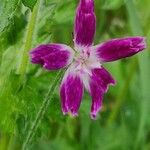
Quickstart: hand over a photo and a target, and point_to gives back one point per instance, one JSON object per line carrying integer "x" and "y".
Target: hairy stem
{"x": 28, "y": 40}
{"x": 42, "y": 110}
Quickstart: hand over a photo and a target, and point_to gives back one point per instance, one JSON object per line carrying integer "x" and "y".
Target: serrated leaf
{"x": 7, "y": 12}
{"x": 29, "y": 3}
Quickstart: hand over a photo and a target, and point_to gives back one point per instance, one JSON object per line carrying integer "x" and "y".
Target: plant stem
{"x": 28, "y": 40}
{"x": 42, "y": 110}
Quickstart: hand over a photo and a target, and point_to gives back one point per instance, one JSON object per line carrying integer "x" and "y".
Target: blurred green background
{"x": 124, "y": 122}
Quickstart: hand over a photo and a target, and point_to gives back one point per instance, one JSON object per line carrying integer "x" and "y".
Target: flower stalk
{"x": 42, "y": 109}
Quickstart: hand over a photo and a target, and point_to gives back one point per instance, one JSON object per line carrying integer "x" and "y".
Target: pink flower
{"x": 85, "y": 61}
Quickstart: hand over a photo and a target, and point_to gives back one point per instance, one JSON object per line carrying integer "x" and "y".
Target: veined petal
{"x": 119, "y": 48}
{"x": 99, "y": 82}
{"x": 85, "y": 23}
{"x": 71, "y": 93}
{"x": 52, "y": 56}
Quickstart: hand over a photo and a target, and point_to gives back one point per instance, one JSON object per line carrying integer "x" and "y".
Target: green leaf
{"x": 10, "y": 63}
{"x": 29, "y": 3}
{"x": 7, "y": 12}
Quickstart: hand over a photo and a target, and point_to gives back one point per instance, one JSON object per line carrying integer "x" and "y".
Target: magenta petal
{"x": 52, "y": 56}
{"x": 71, "y": 93}
{"x": 85, "y": 23}
{"x": 97, "y": 98}
{"x": 103, "y": 78}
{"x": 120, "y": 48}
{"x": 99, "y": 83}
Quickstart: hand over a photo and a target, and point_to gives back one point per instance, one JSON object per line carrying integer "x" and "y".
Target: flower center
{"x": 82, "y": 57}
{"x": 84, "y": 61}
